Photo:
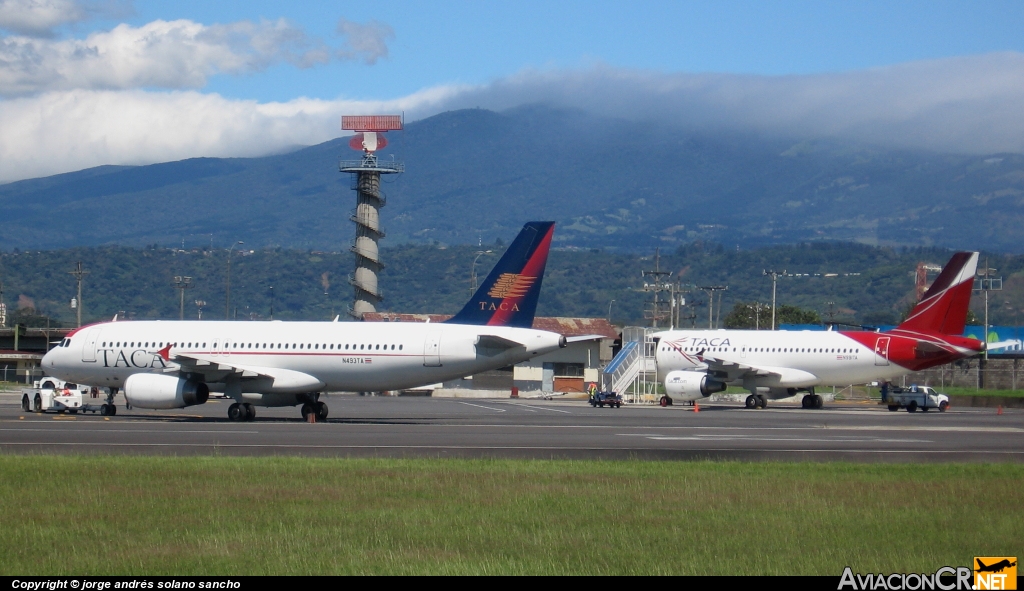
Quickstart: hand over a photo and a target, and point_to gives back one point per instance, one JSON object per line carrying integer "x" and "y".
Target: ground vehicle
{"x": 917, "y": 397}
{"x": 612, "y": 399}
{"x": 48, "y": 394}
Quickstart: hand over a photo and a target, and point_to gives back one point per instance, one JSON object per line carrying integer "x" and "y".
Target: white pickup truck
{"x": 48, "y": 394}
{"x": 917, "y": 397}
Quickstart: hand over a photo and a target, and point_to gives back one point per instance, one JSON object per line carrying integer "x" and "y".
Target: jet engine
{"x": 691, "y": 385}
{"x": 150, "y": 390}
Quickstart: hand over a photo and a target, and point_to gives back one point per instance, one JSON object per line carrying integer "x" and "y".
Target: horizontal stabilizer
{"x": 489, "y": 341}
{"x": 585, "y": 337}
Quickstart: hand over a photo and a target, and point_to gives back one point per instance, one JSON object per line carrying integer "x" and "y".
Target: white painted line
{"x": 480, "y": 406}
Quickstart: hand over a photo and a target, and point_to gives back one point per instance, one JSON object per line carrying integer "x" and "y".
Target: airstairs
{"x": 633, "y": 373}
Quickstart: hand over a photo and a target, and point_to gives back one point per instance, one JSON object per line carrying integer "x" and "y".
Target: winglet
{"x": 508, "y": 297}
{"x": 165, "y": 352}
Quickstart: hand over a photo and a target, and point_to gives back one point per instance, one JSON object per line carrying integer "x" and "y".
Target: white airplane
{"x": 693, "y": 364}
{"x": 174, "y": 364}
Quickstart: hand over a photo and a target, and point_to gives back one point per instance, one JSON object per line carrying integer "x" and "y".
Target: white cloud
{"x": 38, "y": 17}
{"x": 163, "y": 54}
{"x": 367, "y": 42}
{"x": 70, "y": 130}
{"x": 968, "y": 104}
{"x": 963, "y": 104}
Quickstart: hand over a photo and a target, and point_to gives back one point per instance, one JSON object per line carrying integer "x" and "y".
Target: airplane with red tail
{"x": 694, "y": 364}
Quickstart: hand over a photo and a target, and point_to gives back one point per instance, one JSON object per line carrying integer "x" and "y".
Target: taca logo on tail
{"x": 508, "y": 297}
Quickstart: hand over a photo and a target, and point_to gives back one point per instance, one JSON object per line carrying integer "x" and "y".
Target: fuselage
{"x": 805, "y": 359}
{"x": 344, "y": 356}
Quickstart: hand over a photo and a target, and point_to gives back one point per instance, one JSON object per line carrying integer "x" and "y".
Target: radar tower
{"x": 369, "y": 199}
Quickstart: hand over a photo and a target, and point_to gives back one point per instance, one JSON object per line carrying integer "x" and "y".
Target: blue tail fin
{"x": 508, "y": 297}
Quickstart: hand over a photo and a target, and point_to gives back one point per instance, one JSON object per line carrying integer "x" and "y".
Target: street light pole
{"x": 182, "y": 283}
{"x": 472, "y": 272}
{"x": 610, "y": 311}
{"x": 227, "y": 304}
{"x": 271, "y": 302}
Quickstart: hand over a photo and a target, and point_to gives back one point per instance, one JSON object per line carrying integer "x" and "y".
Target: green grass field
{"x": 226, "y": 515}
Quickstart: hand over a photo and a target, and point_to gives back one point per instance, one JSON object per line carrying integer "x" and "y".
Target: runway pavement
{"x": 420, "y": 426}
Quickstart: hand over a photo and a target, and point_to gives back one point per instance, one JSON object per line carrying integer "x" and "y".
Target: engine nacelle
{"x": 152, "y": 390}
{"x": 691, "y": 385}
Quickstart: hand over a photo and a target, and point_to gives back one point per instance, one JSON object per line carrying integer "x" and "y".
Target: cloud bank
{"x": 132, "y": 95}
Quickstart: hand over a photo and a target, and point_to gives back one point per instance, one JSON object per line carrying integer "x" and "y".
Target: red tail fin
{"x": 944, "y": 306}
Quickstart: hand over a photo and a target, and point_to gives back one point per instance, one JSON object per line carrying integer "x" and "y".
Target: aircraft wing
{"x": 734, "y": 371}
{"x": 213, "y": 369}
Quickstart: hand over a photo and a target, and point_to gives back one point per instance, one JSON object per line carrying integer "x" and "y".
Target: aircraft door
{"x": 882, "y": 351}
{"x": 89, "y": 346}
{"x": 432, "y": 348}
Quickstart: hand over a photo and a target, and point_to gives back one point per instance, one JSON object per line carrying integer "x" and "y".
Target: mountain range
{"x": 476, "y": 176}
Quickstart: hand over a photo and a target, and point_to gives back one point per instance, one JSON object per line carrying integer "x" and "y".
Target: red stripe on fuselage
{"x": 532, "y": 268}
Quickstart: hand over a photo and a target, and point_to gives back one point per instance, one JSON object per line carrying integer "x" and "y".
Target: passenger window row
{"x": 247, "y": 346}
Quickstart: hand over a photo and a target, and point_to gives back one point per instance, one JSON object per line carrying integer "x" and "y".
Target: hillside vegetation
{"x": 312, "y": 285}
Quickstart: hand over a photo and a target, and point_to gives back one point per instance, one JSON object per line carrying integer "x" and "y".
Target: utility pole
{"x": 775, "y": 278}
{"x": 657, "y": 286}
{"x": 182, "y": 283}
{"x": 711, "y": 289}
{"x": 271, "y": 302}
{"x": 79, "y": 273}
{"x": 227, "y": 304}
{"x": 986, "y": 283}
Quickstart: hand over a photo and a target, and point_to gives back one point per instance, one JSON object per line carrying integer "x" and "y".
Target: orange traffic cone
{"x": 696, "y": 407}
{"x": 999, "y": 409}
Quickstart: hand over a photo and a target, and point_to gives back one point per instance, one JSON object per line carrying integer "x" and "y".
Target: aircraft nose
{"x": 48, "y": 359}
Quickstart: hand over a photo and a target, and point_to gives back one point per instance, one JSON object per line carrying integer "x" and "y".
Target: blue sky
{"x": 89, "y": 82}
{"x": 476, "y": 42}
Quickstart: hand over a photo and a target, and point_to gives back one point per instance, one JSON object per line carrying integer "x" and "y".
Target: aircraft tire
{"x": 250, "y": 412}
{"x": 805, "y": 402}
{"x": 307, "y": 409}
{"x": 663, "y": 401}
{"x": 321, "y": 411}
{"x": 752, "y": 401}
{"x": 113, "y": 410}
{"x": 236, "y": 412}
{"x": 818, "y": 401}
{"x": 762, "y": 402}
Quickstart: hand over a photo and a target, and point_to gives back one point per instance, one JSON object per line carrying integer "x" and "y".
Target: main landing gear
{"x": 241, "y": 412}
{"x": 314, "y": 408}
{"x": 812, "y": 401}
{"x": 756, "y": 401}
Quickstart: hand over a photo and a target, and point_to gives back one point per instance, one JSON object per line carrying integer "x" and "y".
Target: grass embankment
{"x": 218, "y": 515}
{"x": 977, "y": 392}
